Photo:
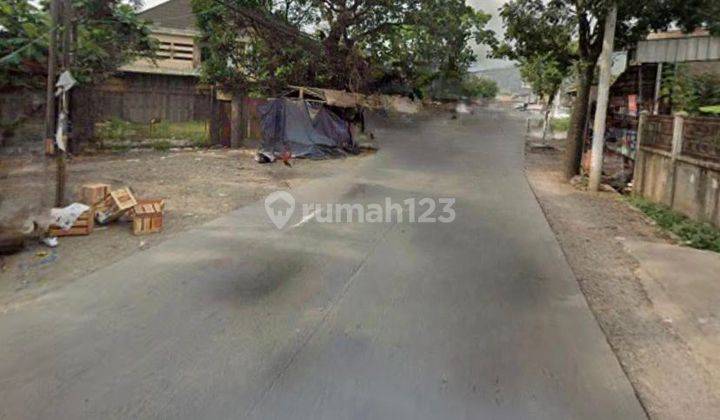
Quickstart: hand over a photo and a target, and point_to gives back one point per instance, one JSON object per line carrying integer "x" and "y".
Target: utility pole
{"x": 61, "y": 176}
{"x": 52, "y": 74}
{"x": 605, "y": 62}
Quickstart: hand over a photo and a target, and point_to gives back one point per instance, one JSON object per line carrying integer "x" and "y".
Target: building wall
{"x": 178, "y": 54}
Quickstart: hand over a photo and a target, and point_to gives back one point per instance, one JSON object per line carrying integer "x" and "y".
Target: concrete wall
{"x": 689, "y": 186}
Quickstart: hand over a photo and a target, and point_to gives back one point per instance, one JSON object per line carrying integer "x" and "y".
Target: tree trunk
{"x": 605, "y": 64}
{"x": 576, "y": 133}
{"x": 546, "y": 120}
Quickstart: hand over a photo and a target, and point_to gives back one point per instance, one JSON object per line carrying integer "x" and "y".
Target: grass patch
{"x": 161, "y": 145}
{"x": 713, "y": 110}
{"x": 694, "y": 234}
{"x": 560, "y": 125}
{"x": 117, "y": 129}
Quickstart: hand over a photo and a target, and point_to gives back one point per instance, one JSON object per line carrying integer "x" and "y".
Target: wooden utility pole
{"x": 61, "y": 176}
{"x": 603, "y": 96}
{"x": 52, "y": 73}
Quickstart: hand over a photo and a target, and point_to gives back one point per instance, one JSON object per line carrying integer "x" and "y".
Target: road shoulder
{"x": 667, "y": 368}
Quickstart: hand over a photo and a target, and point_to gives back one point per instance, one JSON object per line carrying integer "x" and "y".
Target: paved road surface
{"x": 477, "y": 319}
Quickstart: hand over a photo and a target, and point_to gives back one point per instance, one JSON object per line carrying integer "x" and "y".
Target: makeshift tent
{"x": 290, "y": 126}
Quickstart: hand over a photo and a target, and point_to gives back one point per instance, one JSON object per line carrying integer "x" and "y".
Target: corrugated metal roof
{"x": 175, "y": 14}
{"x": 689, "y": 47}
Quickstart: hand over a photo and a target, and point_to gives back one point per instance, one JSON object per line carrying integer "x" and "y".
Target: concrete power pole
{"x": 605, "y": 63}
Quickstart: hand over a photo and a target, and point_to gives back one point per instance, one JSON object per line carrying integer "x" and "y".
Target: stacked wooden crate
{"x": 114, "y": 205}
{"x": 93, "y": 194}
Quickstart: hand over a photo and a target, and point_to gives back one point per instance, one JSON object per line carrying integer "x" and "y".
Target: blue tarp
{"x": 287, "y": 125}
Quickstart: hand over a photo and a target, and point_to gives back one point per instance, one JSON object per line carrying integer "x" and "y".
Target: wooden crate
{"x": 92, "y": 194}
{"x": 148, "y": 216}
{"x": 115, "y": 204}
{"x": 82, "y": 226}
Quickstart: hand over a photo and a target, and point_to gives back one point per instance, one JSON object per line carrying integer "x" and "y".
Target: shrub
{"x": 560, "y": 125}
{"x": 694, "y": 234}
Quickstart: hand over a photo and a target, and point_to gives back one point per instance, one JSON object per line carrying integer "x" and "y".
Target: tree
{"x": 539, "y": 36}
{"x": 545, "y": 75}
{"x": 479, "y": 87}
{"x": 538, "y": 24}
{"x": 690, "y": 92}
{"x": 360, "y": 45}
{"x": 109, "y": 34}
{"x": 432, "y": 48}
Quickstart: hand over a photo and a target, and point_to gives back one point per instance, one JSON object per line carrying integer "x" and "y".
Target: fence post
{"x": 639, "y": 169}
{"x": 214, "y": 121}
{"x": 677, "y": 143}
{"x": 236, "y": 120}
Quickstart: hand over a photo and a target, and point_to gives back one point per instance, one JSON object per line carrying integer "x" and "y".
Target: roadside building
{"x": 677, "y": 162}
{"x": 164, "y": 89}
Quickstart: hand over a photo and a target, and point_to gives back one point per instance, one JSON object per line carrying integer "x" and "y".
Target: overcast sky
{"x": 488, "y": 6}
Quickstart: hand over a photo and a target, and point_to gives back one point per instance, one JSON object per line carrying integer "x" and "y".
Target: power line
{"x": 28, "y": 45}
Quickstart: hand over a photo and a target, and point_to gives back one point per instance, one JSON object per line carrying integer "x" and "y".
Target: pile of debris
{"x": 97, "y": 203}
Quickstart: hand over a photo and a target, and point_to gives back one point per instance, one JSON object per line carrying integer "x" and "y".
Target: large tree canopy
{"x": 109, "y": 34}
{"x": 539, "y": 28}
{"x": 347, "y": 44}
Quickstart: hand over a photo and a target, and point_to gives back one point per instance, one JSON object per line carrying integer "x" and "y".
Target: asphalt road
{"x": 480, "y": 318}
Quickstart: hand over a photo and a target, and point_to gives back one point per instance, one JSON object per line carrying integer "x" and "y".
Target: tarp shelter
{"x": 331, "y": 97}
{"x": 305, "y": 129}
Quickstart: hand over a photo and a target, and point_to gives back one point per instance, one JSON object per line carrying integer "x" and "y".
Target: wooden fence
{"x": 138, "y": 98}
{"x": 141, "y": 98}
{"x": 250, "y": 119}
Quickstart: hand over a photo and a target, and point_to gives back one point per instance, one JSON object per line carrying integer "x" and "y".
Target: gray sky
{"x": 488, "y": 6}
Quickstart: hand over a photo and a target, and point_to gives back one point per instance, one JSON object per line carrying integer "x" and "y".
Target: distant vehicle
{"x": 535, "y": 107}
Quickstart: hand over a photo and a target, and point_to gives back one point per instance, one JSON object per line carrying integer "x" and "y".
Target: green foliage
{"x": 690, "y": 92}
{"x": 560, "y": 125}
{"x": 714, "y": 110}
{"x": 537, "y": 28}
{"x": 479, "y": 87}
{"x": 432, "y": 48}
{"x": 544, "y": 73}
{"x": 366, "y": 45}
{"x": 539, "y": 35}
{"x": 119, "y": 130}
{"x": 572, "y": 31}
{"x": 109, "y": 34}
{"x": 161, "y": 145}
{"x": 22, "y": 46}
{"x": 115, "y": 129}
{"x": 694, "y": 234}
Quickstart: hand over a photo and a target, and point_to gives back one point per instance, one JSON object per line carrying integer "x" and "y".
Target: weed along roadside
{"x": 120, "y": 135}
{"x": 689, "y": 232}
{"x": 652, "y": 292}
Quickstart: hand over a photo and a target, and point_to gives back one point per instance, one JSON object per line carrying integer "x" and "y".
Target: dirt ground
{"x": 198, "y": 186}
{"x": 671, "y": 381}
